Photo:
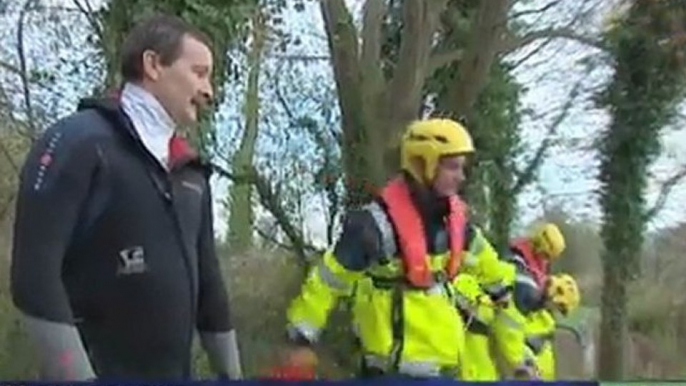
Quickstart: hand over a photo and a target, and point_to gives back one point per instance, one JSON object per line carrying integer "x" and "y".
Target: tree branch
{"x": 87, "y": 11}
{"x": 526, "y": 176}
{"x": 288, "y": 247}
{"x": 11, "y": 68}
{"x": 271, "y": 201}
{"x": 293, "y": 120}
{"x": 329, "y": 184}
{"x": 17, "y": 71}
{"x": 304, "y": 58}
{"x": 33, "y": 130}
{"x": 531, "y": 54}
{"x": 272, "y": 239}
{"x": 282, "y": 100}
{"x": 665, "y": 191}
{"x": 373, "y": 15}
{"x": 420, "y": 20}
{"x": 517, "y": 42}
{"x": 342, "y": 40}
{"x": 481, "y": 51}
{"x": 439, "y": 60}
{"x": 343, "y": 46}
{"x": 543, "y": 9}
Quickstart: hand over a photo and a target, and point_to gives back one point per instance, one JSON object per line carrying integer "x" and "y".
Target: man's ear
{"x": 151, "y": 65}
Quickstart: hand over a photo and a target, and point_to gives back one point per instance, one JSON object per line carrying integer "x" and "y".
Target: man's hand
{"x": 500, "y": 295}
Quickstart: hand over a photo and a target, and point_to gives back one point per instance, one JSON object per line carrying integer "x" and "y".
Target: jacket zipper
{"x": 166, "y": 189}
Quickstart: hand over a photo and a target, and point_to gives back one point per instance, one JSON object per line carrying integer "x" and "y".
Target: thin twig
{"x": 665, "y": 191}
{"x": 87, "y": 11}
{"x": 527, "y": 175}
{"x": 535, "y": 11}
{"x": 271, "y": 200}
{"x": 23, "y": 68}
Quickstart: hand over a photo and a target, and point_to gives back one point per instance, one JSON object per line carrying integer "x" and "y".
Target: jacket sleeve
{"x": 334, "y": 276}
{"x": 216, "y": 331}
{"x": 54, "y": 185}
{"x": 527, "y": 294}
{"x": 483, "y": 262}
{"x": 478, "y": 278}
{"x": 509, "y": 327}
{"x": 509, "y": 334}
{"x": 496, "y": 279}
{"x": 472, "y": 301}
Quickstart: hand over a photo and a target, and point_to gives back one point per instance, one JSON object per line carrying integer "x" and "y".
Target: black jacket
{"x": 108, "y": 240}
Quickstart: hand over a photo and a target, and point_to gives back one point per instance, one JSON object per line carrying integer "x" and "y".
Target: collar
{"x": 151, "y": 121}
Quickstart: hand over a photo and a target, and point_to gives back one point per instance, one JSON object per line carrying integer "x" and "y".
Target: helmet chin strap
{"x": 430, "y": 204}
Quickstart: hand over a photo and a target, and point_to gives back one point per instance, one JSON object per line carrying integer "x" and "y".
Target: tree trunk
{"x": 613, "y": 327}
{"x": 375, "y": 108}
{"x": 241, "y": 217}
{"x": 116, "y": 22}
{"x": 485, "y": 44}
{"x": 642, "y": 96}
{"x": 503, "y": 203}
{"x": 361, "y": 172}
{"x": 623, "y": 177}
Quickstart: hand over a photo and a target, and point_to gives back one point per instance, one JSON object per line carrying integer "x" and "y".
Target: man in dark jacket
{"x": 114, "y": 264}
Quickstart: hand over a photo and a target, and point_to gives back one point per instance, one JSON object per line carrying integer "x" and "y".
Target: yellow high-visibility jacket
{"x": 515, "y": 345}
{"x": 540, "y": 337}
{"x": 406, "y": 330}
{"x": 493, "y": 281}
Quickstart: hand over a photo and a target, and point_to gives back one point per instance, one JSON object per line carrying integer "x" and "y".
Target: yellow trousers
{"x": 545, "y": 362}
{"x": 478, "y": 362}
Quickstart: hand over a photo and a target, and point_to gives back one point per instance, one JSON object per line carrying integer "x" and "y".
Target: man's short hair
{"x": 160, "y": 33}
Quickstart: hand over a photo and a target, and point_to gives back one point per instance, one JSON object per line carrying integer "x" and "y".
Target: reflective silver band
{"x": 385, "y": 228}
{"x": 330, "y": 279}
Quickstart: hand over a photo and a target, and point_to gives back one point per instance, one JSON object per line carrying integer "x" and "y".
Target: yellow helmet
{"x": 563, "y": 292}
{"x": 429, "y": 140}
{"x": 548, "y": 240}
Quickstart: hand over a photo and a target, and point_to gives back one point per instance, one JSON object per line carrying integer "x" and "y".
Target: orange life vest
{"x": 536, "y": 264}
{"x": 411, "y": 236}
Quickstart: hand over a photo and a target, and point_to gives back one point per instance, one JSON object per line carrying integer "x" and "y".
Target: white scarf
{"x": 152, "y": 122}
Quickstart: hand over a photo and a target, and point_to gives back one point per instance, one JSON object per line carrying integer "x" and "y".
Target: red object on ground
{"x": 292, "y": 373}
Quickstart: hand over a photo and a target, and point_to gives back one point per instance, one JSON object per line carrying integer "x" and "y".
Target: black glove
{"x": 500, "y": 295}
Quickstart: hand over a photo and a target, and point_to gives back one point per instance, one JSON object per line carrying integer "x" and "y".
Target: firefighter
{"x": 408, "y": 244}
{"x": 561, "y": 295}
{"x": 532, "y": 257}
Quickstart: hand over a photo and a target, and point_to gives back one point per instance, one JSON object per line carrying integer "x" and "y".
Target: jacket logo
{"x": 194, "y": 187}
{"x": 132, "y": 261}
